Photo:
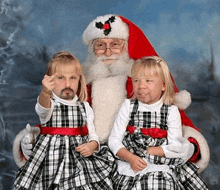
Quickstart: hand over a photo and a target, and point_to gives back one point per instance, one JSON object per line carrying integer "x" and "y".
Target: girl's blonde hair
{"x": 159, "y": 67}
{"x": 67, "y": 58}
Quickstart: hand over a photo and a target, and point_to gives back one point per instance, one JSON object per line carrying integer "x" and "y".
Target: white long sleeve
{"x": 120, "y": 124}
{"x": 45, "y": 114}
{"x": 177, "y": 146}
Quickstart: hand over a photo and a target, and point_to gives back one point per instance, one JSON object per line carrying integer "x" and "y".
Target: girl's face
{"x": 66, "y": 81}
{"x": 148, "y": 87}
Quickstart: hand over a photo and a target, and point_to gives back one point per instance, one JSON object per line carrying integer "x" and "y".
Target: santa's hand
{"x": 28, "y": 140}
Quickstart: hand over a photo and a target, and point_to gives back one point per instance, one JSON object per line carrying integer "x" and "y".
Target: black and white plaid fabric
{"x": 67, "y": 116}
{"x": 138, "y": 143}
{"x": 185, "y": 174}
{"x": 54, "y": 163}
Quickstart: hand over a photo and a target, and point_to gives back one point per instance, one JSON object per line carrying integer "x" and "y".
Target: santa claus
{"x": 113, "y": 44}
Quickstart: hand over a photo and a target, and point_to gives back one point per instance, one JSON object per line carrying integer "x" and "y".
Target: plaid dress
{"x": 182, "y": 176}
{"x": 54, "y": 163}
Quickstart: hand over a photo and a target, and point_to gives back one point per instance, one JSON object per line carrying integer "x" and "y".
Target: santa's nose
{"x": 108, "y": 52}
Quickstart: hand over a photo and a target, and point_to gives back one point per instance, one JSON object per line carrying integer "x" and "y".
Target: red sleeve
{"x": 129, "y": 88}
{"x": 187, "y": 122}
{"x": 89, "y": 91}
{"x": 196, "y": 155}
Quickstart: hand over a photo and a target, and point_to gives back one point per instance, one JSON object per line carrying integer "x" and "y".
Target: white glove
{"x": 28, "y": 140}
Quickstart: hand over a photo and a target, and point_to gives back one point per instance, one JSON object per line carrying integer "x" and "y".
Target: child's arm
{"x": 87, "y": 149}
{"x": 136, "y": 162}
{"x": 117, "y": 135}
{"x": 157, "y": 150}
{"x": 90, "y": 125}
{"x": 47, "y": 87}
{"x": 177, "y": 147}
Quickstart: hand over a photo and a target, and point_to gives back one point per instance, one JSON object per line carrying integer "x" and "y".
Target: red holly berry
{"x": 106, "y": 26}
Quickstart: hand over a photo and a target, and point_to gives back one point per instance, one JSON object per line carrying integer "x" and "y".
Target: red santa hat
{"x": 114, "y": 26}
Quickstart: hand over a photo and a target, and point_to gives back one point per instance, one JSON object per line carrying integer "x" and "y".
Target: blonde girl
{"x": 66, "y": 154}
{"x": 147, "y": 135}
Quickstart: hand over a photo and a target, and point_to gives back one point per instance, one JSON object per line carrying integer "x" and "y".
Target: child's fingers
{"x": 79, "y": 148}
{"x": 53, "y": 76}
{"x": 143, "y": 162}
{"x": 49, "y": 78}
{"x": 140, "y": 165}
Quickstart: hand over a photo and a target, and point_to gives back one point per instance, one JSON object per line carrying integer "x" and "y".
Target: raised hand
{"x": 48, "y": 84}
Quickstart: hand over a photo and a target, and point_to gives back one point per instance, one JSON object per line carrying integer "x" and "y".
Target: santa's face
{"x": 108, "y": 57}
{"x": 110, "y": 49}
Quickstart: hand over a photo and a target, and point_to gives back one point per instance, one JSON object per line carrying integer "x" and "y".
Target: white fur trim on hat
{"x": 204, "y": 148}
{"x": 108, "y": 26}
{"x": 182, "y": 99}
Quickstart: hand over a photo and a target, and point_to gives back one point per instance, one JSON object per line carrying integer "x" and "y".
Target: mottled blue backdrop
{"x": 185, "y": 33}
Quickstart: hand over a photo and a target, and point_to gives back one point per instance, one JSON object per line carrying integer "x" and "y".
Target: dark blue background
{"x": 185, "y": 33}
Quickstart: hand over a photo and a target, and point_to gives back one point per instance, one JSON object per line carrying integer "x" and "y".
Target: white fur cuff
{"x": 204, "y": 148}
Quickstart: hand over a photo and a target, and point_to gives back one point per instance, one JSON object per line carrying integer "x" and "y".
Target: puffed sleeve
{"x": 177, "y": 147}
{"x": 118, "y": 130}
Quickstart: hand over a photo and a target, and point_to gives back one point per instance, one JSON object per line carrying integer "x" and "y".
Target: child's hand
{"x": 87, "y": 149}
{"x": 137, "y": 163}
{"x": 48, "y": 84}
{"x": 157, "y": 150}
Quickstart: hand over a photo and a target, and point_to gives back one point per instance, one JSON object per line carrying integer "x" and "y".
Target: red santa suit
{"x": 106, "y": 94}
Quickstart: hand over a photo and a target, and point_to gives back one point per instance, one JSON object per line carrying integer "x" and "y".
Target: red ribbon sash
{"x": 153, "y": 132}
{"x": 63, "y": 131}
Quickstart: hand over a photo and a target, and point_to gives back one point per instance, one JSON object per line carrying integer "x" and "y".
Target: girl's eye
{"x": 60, "y": 77}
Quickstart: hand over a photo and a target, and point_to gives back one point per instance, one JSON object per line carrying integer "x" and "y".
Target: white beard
{"x": 108, "y": 90}
{"x": 94, "y": 68}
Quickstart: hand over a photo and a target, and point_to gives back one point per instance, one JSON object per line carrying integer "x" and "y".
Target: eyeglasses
{"x": 115, "y": 46}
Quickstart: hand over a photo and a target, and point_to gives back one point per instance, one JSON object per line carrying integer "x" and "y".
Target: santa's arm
{"x": 201, "y": 154}
{"x": 27, "y": 137}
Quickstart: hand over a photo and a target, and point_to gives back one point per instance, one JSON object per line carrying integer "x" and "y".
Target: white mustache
{"x": 103, "y": 57}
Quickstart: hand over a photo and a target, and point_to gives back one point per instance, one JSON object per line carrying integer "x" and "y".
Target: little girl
{"x": 147, "y": 135}
{"x": 67, "y": 154}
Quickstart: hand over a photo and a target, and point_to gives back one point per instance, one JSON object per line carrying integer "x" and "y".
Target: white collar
{"x": 66, "y": 102}
{"x": 150, "y": 107}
